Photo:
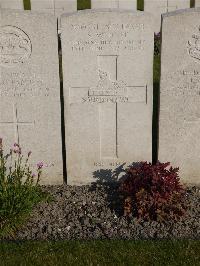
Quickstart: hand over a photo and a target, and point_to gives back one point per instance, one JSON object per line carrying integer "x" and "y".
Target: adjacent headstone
{"x": 12, "y": 4}
{"x": 107, "y": 71}
{"x": 197, "y": 3}
{"x": 123, "y": 4}
{"x": 55, "y": 7}
{"x": 180, "y": 93}
{"x": 158, "y": 7}
{"x": 29, "y": 89}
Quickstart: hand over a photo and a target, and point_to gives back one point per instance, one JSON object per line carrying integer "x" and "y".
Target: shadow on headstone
{"x": 110, "y": 180}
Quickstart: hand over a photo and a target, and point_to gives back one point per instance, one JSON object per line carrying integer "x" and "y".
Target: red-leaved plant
{"x": 153, "y": 192}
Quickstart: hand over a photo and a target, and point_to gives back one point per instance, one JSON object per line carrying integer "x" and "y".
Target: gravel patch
{"x": 93, "y": 212}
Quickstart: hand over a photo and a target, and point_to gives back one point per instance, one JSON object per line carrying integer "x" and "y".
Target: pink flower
{"x": 40, "y": 165}
{"x": 16, "y": 145}
{"x": 33, "y": 175}
{"x": 17, "y": 150}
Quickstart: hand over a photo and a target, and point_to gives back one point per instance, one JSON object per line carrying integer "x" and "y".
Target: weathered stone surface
{"x": 29, "y": 88}
{"x": 180, "y": 93}
{"x": 158, "y": 7}
{"x": 123, "y": 4}
{"x": 197, "y": 3}
{"x": 55, "y": 7}
{"x": 107, "y": 69}
{"x": 12, "y": 4}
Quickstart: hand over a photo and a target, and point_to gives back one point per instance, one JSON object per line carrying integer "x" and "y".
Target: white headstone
{"x": 12, "y": 4}
{"x": 107, "y": 70}
{"x": 180, "y": 93}
{"x": 55, "y": 7}
{"x": 197, "y": 3}
{"x": 158, "y": 7}
{"x": 29, "y": 89}
{"x": 123, "y": 4}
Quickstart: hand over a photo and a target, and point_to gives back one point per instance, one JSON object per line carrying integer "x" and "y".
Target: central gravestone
{"x": 29, "y": 89}
{"x": 107, "y": 70}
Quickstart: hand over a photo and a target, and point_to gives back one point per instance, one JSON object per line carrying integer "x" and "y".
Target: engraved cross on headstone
{"x": 108, "y": 94}
{"x": 16, "y": 123}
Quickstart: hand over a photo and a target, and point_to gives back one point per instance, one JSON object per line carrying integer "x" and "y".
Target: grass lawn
{"x": 171, "y": 253}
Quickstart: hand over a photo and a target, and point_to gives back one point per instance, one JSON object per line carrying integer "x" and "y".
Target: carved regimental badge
{"x": 194, "y": 46}
{"x": 109, "y": 90}
{"x": 15, "y": 46}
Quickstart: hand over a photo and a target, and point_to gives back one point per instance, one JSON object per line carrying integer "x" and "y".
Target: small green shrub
{"x": 153, "y": 192}
{"x": 19, "y": 191}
